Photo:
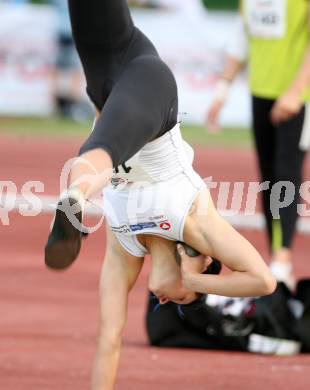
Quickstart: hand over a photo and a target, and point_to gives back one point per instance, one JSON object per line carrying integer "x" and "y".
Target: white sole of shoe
{"x": 273, "y": 346}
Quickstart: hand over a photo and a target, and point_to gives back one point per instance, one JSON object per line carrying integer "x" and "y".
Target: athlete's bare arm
{"x": 119, "y": 273}
{"x": 206, "y": 231}
{"x": 235, "y": 60}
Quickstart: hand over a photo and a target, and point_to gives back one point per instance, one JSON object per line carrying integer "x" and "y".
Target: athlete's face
{"x": 174, "y": 291}
{"x": 165, "y": 280}
{"x": 169, "y": 286}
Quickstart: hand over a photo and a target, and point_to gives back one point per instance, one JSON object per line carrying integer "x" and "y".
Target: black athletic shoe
{"x": 64, "y": 241}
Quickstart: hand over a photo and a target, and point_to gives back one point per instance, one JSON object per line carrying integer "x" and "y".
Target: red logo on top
{"x": 165, "y": 225}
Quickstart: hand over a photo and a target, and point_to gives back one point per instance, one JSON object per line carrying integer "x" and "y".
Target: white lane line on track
{"x": 46, "y": 204}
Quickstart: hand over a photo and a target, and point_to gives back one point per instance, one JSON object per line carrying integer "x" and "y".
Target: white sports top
{"x": 158, "y": 160}
{"x": 153, "y": 192}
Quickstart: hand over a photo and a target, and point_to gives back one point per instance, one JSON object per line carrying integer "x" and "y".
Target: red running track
{"x": 48, "y": 320}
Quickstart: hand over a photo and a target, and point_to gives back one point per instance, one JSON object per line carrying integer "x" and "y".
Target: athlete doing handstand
{"x": 137, "y": 133}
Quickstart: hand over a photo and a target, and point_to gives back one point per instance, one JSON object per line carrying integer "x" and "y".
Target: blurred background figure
{"x": 70, "y": 101}
{"x": 273, "y": 38}
{"x": 154, "y": 3}
{"x": 15, "y": 1}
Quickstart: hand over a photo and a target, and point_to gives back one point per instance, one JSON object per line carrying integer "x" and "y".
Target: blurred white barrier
{"x": 27, "y": 52}
{"x": 188, "y": 38}
{"x": 193, "y": 42}
{"x": 46, "y": 204}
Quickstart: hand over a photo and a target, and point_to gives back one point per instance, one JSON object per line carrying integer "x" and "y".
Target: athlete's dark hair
{"x": 214, "y": 268}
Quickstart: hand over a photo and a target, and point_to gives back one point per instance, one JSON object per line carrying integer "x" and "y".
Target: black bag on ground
{"x": 281, "y": 316}
{"x": 273, "y": 315}
{"x": 194, "y": 326}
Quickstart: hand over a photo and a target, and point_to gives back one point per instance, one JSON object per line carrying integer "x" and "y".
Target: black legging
{"x": 129, "y": 84}
{"x": 280, "y": 159}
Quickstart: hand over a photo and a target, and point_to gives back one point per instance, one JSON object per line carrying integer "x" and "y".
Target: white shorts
{"x": 158, "y": 208}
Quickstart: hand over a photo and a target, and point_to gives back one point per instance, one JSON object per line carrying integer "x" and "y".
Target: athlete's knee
{"x": 111, "y": 328}
{"x": 100, "y": 147}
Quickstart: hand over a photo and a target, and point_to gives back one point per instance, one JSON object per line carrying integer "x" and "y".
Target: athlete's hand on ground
{"x": 192, "y": 265}
{"x": 286, "y": 107}
{"x": 212, "y": 118}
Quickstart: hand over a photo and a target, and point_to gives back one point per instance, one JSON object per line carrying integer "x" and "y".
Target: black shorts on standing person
{"x": 280, "y": 161}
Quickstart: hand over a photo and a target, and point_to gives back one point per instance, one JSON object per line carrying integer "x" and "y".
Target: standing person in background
{"x": 68, "y": 74}
{"x": 274, "y": 39}
{"x": 14, "y": 1}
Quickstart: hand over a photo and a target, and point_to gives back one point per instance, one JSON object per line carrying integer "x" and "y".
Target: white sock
{"x": 283, "y": 273}
{"x": 75, "y": 193}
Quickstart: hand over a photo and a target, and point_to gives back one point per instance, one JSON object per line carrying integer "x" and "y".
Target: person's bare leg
{"x": 119, "y": 273}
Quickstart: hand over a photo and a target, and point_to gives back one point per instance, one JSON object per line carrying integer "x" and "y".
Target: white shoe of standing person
{"x": 283, "y": 272}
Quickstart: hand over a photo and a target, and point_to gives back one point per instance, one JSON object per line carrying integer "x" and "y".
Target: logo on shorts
{"x": 157, "y": 217}
{"x": 142, "y": 225}
{"x": 166, "y": 225}
{"x": 120, "y": 229}
{"x": 116, "y": 181}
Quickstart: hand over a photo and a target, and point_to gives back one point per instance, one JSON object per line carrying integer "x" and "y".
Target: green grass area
{"x": 51, "y": 127}
{"x": 228, "y": 137}
{"x": 220, "y": 5}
